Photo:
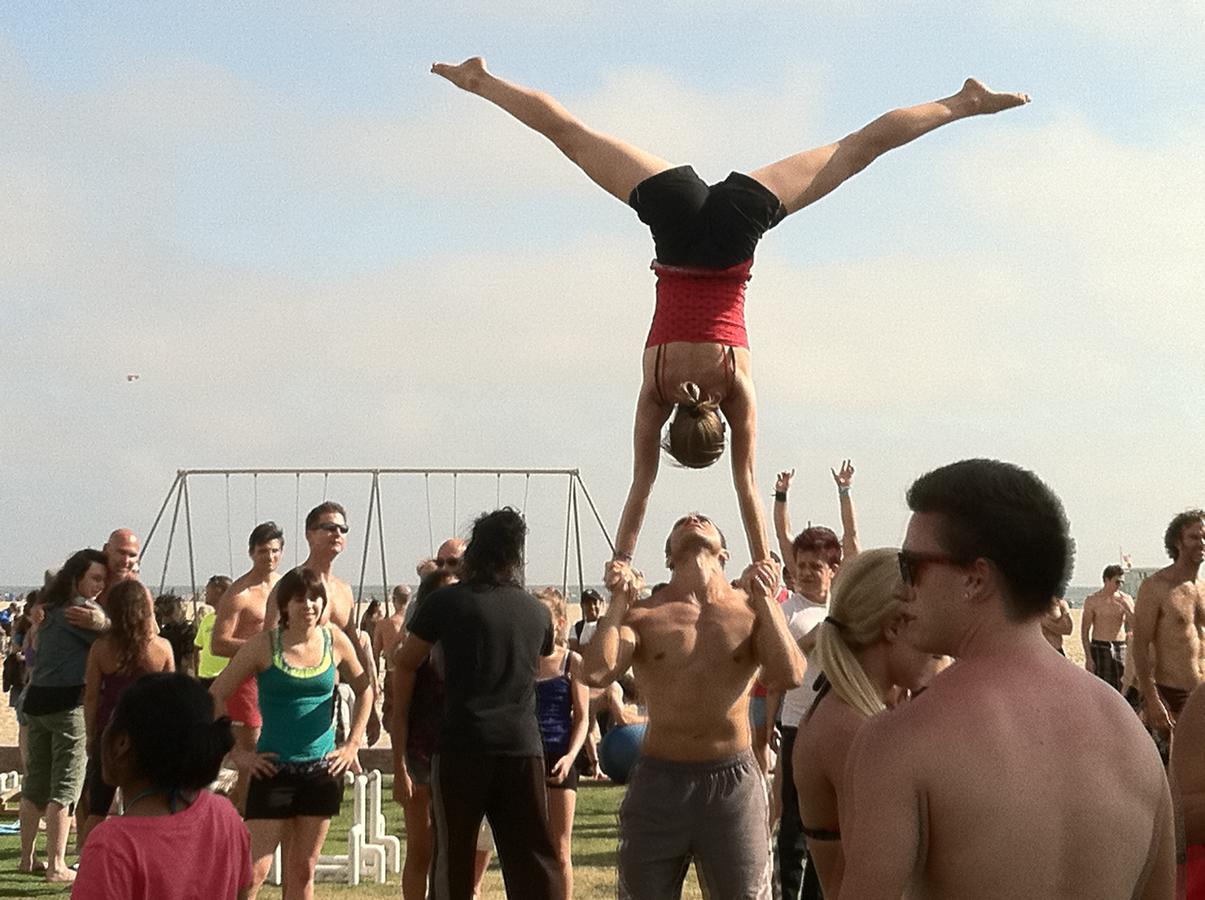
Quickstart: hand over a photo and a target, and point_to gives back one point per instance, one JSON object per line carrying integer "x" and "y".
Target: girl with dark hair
{"x": 176, "y": 840}
{"x": 696, "y": 360}
{"x": 129, "y": 650}
{"x": 53, "y": 708}
{"x": 297, "y": 771}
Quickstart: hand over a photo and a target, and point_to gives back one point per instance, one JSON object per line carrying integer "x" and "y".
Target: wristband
{"x": 780, "y": 496}
{"x": 843, "y": 491}
{"x": 620, "y": 556}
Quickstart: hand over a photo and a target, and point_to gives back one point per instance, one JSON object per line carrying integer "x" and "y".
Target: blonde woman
{"x": 562, "y": 707}
{"x": 867, "y": 662}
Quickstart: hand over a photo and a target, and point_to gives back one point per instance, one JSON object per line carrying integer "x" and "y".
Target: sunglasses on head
{"x": 331, "y": 527}
{"x": 912, "y": 561}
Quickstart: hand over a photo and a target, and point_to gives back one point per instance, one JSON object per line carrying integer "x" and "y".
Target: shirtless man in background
{"x": 697, "y": 791}
{"x": 964, "y": 791}
{"x": 1169, "y": 626}
{"x": 1106, "y": 613}
{"x": 326, "y": 535}
{"x": 240, "y": 616}
{"x": 385, "y": 639}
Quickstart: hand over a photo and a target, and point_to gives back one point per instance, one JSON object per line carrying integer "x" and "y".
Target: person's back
{"x": 491, "y": 638}
{"x": 1019, "y": 756}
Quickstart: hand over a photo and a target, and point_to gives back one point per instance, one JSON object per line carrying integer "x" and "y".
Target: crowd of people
{"x": 851, "y": 723}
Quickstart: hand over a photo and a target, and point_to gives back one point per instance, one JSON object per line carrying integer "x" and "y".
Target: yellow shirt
{"x": 210, "y": 666}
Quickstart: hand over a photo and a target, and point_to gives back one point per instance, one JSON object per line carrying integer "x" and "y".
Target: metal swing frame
{"x": 179, "y": 490}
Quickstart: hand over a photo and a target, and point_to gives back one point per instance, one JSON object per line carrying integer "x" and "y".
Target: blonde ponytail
{"x": 864, "y": 599}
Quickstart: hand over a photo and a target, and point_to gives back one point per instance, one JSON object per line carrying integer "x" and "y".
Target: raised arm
{"x": 782, "y": 665}
{"x": 849, "y": 520}
{"x": 782, "y": 520}
{"x": 646, "y": 439}
{"x": 741, "y": 412}
{"x": 609, "y": 653}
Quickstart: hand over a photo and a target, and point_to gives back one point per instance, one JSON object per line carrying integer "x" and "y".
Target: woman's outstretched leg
{"x": 613, "y": 165}
{"x": 804, "y": 178}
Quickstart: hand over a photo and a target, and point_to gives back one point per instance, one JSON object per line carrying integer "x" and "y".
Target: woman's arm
{"x": 849, "y": 521}
{"x": 407, "y": 659}
{"x": 252, "y": 658}
{"x": 782, "y": 520}
{"x": 579, "y": 695}
{"x": 651, "y": 415}
{"x": 360, "y": 681}
{"x": 741, "y": 411}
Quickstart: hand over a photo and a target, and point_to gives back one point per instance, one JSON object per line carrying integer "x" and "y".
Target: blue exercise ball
{"x": 619, "y": 750}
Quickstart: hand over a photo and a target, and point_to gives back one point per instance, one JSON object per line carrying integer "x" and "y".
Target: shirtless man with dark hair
{"x": 697, "y": 792}
{"x": 1107, "y": 628}
{"x": 965, "y": 791}
{"x": 240, "y": 617}
{"x": 1169, "y": 626}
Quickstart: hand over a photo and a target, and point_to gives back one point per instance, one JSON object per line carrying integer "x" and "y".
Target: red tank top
{"x": 700, "y": 306}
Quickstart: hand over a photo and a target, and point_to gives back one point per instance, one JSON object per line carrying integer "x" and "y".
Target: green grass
{"x": 594, "y": 845}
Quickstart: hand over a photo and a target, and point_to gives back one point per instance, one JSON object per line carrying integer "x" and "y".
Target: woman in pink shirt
{"x": 176, "y": 840}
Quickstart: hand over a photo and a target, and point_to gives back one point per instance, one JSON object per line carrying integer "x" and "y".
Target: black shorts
{"x": 705, "y": 227}
{"x": 570, "y": 782}
{"x": 297, "y": 789}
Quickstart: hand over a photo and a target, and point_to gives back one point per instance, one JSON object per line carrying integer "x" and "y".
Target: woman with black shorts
{"x": 696, "y": 361}
{"x": 296, "y": 769}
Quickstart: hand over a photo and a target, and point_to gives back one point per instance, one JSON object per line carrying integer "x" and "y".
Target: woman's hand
{"x": 403, "y": 787}
{"x": 845, "y": 476}
{"x": 344, "y": 758}
{"x": 561, "y": 770}
{"x": 261, "y": 765}
{"x": 782, "y": 483}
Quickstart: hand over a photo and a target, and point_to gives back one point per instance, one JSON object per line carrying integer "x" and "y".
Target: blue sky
{"x": 316, "y": 253}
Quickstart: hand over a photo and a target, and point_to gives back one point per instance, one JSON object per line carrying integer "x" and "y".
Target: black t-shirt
{"x": 492, "y": 639}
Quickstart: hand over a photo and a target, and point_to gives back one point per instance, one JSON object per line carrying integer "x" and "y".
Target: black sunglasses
{"x": 332, "y": 527}
{"x": 912, "y": 561}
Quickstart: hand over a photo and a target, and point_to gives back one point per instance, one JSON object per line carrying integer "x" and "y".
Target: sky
{"x": 315, "y": 253}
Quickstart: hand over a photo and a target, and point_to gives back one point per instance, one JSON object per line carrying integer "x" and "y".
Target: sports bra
{"x": 700, "y": 306}
{"x": 657, "y": 366}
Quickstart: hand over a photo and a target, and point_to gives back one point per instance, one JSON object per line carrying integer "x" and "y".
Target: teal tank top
{"x": 297, "y": 706}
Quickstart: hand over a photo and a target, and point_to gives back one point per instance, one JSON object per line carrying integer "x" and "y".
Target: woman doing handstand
{"x": 696, "y": 363}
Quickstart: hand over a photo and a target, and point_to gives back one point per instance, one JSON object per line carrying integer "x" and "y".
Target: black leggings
{"x": 511, "y": 792}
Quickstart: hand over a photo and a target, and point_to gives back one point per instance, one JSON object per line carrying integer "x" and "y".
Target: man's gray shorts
{"x": 713, "y": 813}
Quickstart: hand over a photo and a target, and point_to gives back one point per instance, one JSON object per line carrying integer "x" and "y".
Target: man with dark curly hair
{"x": 1169, "y": 652}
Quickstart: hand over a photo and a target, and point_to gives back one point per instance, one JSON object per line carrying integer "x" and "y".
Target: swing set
{"x": 178, "y": 496}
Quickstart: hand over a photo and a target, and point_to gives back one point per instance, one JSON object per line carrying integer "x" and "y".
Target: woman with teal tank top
{"x": 296, "y": 769}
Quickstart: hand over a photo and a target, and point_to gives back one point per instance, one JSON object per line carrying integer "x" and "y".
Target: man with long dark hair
{"x": 490, "y": 757}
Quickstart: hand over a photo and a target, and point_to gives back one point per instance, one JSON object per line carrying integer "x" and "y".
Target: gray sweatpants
{"x": 713, "y": 813}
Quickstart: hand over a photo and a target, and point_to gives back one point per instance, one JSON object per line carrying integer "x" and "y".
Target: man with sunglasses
{"x": 965, "y": 791}
{"x": 326, "y": 534}
{"x": 697, "y": 791}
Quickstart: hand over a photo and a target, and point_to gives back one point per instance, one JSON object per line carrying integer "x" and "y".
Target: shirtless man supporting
{"x": 326, "y": 534}
{"x": 240, "y": 616}
{"x": 1106, "y": 614}
{"x": 964, "y": 791}
{"x": 1169, "y": 624}
{"x": 697, "y": 791}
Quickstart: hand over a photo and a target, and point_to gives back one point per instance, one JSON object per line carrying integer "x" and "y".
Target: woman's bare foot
{"x": 465, "y": 76}
{"x": 37, "y": 867}
{"x": 982, "y": 100}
